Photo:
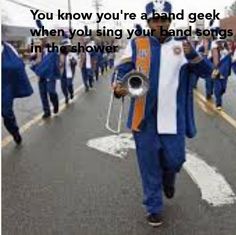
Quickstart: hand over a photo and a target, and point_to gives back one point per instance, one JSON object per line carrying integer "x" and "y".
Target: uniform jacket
{"x": 170, "y": 95}
{"x": 13, "y": 73}
{"x": 48, "y": 67}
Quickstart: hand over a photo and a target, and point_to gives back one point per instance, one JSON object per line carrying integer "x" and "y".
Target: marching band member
{"x": 199, "y": 47}
{"x": 222, "y": 71}
{"x": 209, "y": 83}
{"x": 15, "y": 84}
{"x": 100, "y": 62}
{"x": 111, "y": 59}
{"x": 86, "y": 69}
{"x": 160, "y": 120}
{"x": 46, "y": 67}
{"x": 68, "y": 61}
{"x": 105, "y": 61}
{"x": 95, "y": 62}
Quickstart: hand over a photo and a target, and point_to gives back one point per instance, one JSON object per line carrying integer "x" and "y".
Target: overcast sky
{"x": 14, "y": 14}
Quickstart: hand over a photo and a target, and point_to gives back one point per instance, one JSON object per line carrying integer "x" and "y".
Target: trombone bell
{"x": 136, "y": 83}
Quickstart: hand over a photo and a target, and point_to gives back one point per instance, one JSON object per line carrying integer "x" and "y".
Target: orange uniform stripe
{"x": 142, "y": 65}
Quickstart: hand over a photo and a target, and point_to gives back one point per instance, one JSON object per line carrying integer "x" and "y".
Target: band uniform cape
{"x": 14, "y": 74}
{"x": 171, "y": 91}
{"x": 48, "y": 67}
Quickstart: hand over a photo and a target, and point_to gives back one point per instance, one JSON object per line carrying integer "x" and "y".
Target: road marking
{"x": 116, "y": 145}
{"x": 204, "y": 107}
{"x": 213, "y": 186}
{"x": 8, "y": 139}
{"x": 211, "y": 105}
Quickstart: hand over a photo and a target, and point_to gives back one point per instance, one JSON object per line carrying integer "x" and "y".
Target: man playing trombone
{"x": 162, "y": 118}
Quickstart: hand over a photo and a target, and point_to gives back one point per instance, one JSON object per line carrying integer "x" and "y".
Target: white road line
{"x": 115, "y": 145}
{"x": 213, "y": 186}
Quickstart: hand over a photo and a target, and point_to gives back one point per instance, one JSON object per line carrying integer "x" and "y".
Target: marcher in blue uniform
{"x": 223, "y": 71}
{"x": 15, "y": 84}
{"x": 86, "y": 68}
{"x": 111, "y": 59}
{"x": 46, "y": 66}
{"x": 95, "y": 59}
{"x": 209, "y": 83}
{"x": 199, "y": 47}
{"x": 68, "y": 62}
{"x": 105, "y": 61}
{"x": 100, "y": 61}
{"x": 161, "y": 119}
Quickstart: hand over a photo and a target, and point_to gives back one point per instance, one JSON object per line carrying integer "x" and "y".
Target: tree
{"x": 233, "y": 8}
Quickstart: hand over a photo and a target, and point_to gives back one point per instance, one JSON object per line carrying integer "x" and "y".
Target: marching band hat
{"x": 65, "y": 42}
{"x": 158, "y": 6}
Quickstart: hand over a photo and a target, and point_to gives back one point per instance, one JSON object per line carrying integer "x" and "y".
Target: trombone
{"x": 137, "y": 85}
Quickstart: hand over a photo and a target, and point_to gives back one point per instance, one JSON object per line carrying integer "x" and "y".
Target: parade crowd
{"x": 49, "y": 67}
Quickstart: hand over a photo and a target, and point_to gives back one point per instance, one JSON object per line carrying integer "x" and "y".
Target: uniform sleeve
{"x": 13, "y": 49}
{"x": 199, "y": 65}
{"x": 125, "y": 63}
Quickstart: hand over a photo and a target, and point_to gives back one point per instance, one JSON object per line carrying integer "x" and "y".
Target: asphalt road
{"x": 55, "y": 185}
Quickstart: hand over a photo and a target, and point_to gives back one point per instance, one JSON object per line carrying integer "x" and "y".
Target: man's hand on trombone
{"x": 119, "y": 90}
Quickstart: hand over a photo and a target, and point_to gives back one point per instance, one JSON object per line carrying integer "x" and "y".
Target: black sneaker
{"x": 67, "y": 100}
{"x": 209, "y": 97}
{"x": 17, "y": 138}
{"x": 169, "y": 191}
{"x": 71, "y": 96}
{"x": 46, "y": 115}
{"x": 56, "y": 108}
{"x": 169, "y": 184}
{"x": 155, "y": 220}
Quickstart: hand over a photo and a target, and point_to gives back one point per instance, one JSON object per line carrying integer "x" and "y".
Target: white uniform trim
{"x": 13, "y": 48}
{"x": 69, "y": 56}
{"x": 170, "y": 65}
{"x": 223, "y": 53}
